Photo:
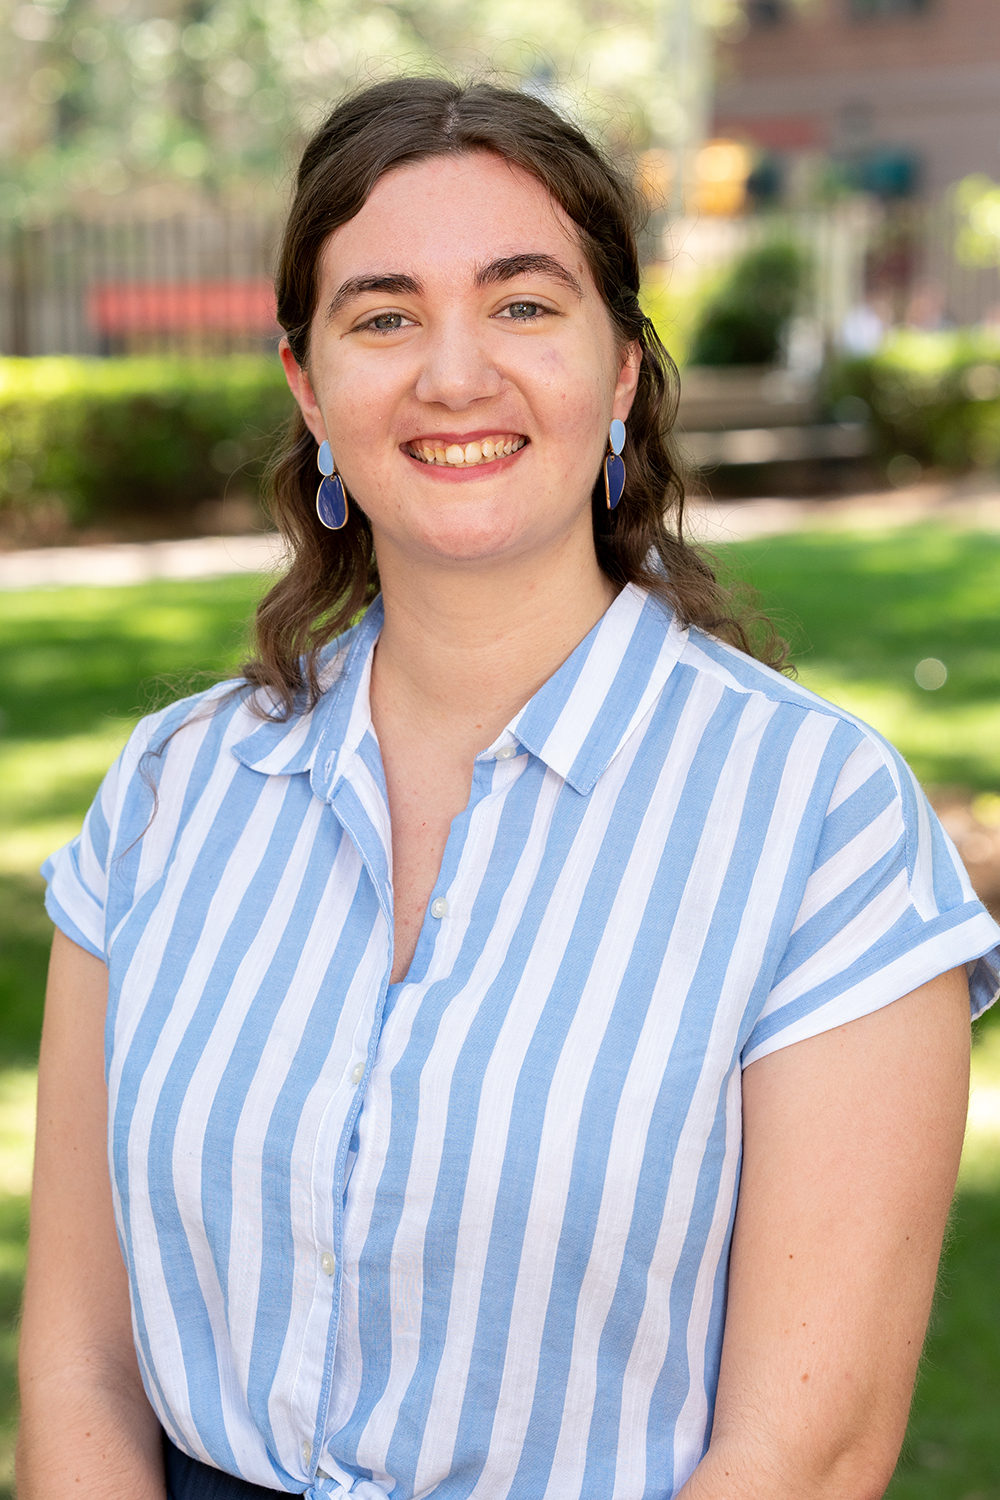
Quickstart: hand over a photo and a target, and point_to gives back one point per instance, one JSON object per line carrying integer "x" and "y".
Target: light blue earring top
{"x": 324, "y": 458}
{"x": 617, "y": 436}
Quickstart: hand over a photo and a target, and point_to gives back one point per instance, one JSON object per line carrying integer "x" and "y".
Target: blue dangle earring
{"x": 614, "y": 465}
{"x": 331, "y": 497}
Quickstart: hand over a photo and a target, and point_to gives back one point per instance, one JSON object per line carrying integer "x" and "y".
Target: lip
{"x": 460, "y": 473}
{"x": 452, "y": 473}
{"x": 461, "y": 437}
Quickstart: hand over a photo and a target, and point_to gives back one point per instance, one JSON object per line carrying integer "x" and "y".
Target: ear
{"x": 301, "y": 388}
{"x": 628, "y": 381}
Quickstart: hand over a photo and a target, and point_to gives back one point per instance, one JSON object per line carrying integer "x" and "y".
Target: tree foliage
{"x": 108, "y": 98}
{"x": 977, "y": 207}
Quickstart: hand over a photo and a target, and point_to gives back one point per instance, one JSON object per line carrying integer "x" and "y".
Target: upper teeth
{"x": 455, "y": 454}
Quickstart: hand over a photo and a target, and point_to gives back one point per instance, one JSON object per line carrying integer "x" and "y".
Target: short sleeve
{"x": 886, "y": 907}
{"x": 80, "y": 875}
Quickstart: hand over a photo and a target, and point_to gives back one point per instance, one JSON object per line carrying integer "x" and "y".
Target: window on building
{"x": 863, "y": 10}
{"x": 766, "y": 12}
{"x": 884, "y": 171}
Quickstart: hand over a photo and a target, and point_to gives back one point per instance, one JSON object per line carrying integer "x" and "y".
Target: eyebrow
{"x": 395, "y": 283}
{"x": 506, "y": 268}
{"x": 511, "y": 267}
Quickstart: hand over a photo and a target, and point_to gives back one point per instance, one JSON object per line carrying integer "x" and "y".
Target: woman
{"x": 433, "y": 955}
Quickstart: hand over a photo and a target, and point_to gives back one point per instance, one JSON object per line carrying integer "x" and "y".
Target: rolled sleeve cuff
{"x": 73, "y": 908}
{"x": 972, "y": 942}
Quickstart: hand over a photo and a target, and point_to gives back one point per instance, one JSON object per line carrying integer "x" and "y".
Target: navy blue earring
{"x": 331, "y": 497}
{"x": 614, "y": 465}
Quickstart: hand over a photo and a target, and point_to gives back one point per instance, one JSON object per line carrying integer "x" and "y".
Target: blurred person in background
{"x": 863, "y": 329}
{"x": 528, "y": 1032}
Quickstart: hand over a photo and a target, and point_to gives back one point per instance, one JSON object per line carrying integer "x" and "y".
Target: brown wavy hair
{"x": 333, "y": 575}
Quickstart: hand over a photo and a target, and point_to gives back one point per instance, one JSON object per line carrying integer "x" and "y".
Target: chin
{"x": 475, "y": 539}
{"x": 474, "y": 548}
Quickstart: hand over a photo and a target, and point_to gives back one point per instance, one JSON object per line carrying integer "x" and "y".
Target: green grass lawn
{"x": 861, "y": 609}
{"x": 79, "y": 666}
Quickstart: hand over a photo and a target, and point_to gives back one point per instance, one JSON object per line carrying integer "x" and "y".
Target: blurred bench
{"x": 754, "y": 416}
{"x": 768, "y": 445}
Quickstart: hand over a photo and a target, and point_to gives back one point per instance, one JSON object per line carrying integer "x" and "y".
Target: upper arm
{"x": 851, "y": 1146}
{"x": 77, "y": 1358}
{"x": 76, "y": 1297}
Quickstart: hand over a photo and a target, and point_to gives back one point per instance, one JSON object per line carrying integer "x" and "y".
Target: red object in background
{"x": 125, "y": 307}
{"x": 776, "y": 132}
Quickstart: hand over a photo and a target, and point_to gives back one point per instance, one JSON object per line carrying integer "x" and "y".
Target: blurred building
{"x": 895, "y": 98}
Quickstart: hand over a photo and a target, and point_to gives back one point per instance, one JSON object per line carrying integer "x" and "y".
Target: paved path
{"x": 137, "y": 562}
{"x": 966, "y": 502}
{"x": 969, "y": 502}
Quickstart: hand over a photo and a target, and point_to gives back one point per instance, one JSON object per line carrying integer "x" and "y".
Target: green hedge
{"x": 744, "y": 322}
{"x": 105, "y": 441}
{"x": 932, "y": 396}
{"x": 109, "y": 438}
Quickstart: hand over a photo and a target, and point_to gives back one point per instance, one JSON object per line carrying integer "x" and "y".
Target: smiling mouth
{"x": 464, "y": 455}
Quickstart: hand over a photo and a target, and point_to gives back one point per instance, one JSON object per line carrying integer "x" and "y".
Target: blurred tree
{"x": 192, "y": 98}
{"x": 977, "y": 207}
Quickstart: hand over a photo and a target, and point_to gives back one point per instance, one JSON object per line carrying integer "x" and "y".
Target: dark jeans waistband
{"x": 187, "y": 1479}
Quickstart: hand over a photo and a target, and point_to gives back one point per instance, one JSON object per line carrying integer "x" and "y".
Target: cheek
{"x": 353, "y": 404}
{"x": 575, "y": 398}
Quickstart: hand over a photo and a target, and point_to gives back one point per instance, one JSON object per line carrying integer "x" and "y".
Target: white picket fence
{"x": 899, "y": 262}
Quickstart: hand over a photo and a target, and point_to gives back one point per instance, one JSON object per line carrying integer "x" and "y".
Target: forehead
{"x": 447, "y": 215}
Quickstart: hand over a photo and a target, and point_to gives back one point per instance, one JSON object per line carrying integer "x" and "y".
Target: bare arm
{"x": 851, "y": 1148}
{"x": 86, "y": 1425}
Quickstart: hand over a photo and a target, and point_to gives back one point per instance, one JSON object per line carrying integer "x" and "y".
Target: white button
{"x": 439, "y": 907}
{"x": 329, "y": 1263}
{"x": 307, "y": 1453}
{"x": 506, "y": 752}
{"x": 357, "y": 1072}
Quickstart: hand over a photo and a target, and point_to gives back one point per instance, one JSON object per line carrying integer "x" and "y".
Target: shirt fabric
{"x": 467, "y": 1234}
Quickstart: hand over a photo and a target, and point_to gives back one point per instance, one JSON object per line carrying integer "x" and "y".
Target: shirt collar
{"x": 576, "y": 723}
{"x": 305, "y": 742}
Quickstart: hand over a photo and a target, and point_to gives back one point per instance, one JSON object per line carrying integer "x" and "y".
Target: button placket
{"x": 327, "y": 1267}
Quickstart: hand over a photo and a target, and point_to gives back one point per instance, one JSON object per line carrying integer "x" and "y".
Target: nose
{"x": 457, "y": 368}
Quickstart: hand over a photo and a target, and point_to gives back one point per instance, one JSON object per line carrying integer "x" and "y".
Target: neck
{"x": 464, "y": 648}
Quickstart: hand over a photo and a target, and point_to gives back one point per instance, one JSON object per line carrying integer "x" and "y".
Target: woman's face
{"x": 462, "y": 364}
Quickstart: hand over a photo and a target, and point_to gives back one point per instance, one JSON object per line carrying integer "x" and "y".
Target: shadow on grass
{"x": 76, "y": 663}
{"x": 952, "y": 1447}
{"x": 73, "y": 658}
{"x": 13, "y": 1239}
{"x": 25, "y": 936}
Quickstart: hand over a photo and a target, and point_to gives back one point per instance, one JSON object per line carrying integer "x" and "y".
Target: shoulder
{"x": 869, "y": 806}
{"x": 206, "y": 745}
{"x": 223, "y": 705}
{"x": 730, "y": 670}
{"x": 734, "y": 669}
{"x": 232, "y": 711}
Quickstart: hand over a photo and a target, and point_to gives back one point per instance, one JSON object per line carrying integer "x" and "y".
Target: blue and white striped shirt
{"x": 467, "y": 1235}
